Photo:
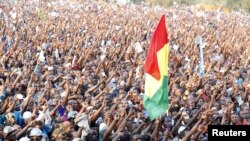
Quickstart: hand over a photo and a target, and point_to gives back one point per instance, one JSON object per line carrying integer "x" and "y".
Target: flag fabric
{"x": 155, "y": 100}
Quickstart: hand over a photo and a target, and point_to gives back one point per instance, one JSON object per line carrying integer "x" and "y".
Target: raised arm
{"x": 155, "y": 134}
{"x": 110, "y": 128}
{"x": 98, "y": 112}
{"x": 30, "y": 92}
{"x": 192, "y": 131}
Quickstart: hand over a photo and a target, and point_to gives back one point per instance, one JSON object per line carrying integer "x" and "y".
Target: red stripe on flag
{"x": 158, "y": 41}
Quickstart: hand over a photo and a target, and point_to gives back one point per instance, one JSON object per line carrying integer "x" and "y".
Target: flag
{"x": 155, "y": 100}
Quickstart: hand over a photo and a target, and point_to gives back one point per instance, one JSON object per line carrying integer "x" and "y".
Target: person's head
{"x": 200, "y": 103}
{"x": 191, "y": 104}
{"x": 10, "y": 119}
{"x": 174, "y": 111}
{"x": 9, "y": 133}
{"x": 36, "y": 134}
{"x": 185, "y": 118}
{"x": 136, "y": 137}
{"x": 234, "y": 118}
{"x": 217, "y": 105}
{"x": 71, "y": 116}
{"x": 246, "y": 121}
{"x": 59, "y": 134}
{"x": 69, "y": 108}
{"x": 27, "y": 116}
{"x": 93, "y": 135}
{"x": 116, "y": 100}
{"x": 68, "y": 127}
{"x": 228, "y": 101}
{"x": 244, "y": 112}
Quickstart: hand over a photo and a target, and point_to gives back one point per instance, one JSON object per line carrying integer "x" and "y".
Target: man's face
{"x": 36, "y": 138}
{"x": 10, "y": 119}
{"x": 11, "y": 137}
{"x": 234, "y": 118}
{"x": 93, "y": 135}
{"x": 217, "y": 105}
{"x": 228, "y": 101}
{"x": 245, "y": 112}
{"x": 248, "y": 121}
{"x": 200, "y": 103}
{"x": 70, "y": 128}
{"x": 27, "y": 120}
{"x": 191, "y": 104}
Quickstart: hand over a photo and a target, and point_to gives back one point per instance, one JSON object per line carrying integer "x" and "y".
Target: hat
{"x": 36, "y": 132}
{"x": 72, "y": 114}
{"x": 182, "y": 128}
{"x": 8, "y": 130}
{"x": 27, "y": 115}
{"x": 24, "y": 139}
{"x": 19, "y": 96}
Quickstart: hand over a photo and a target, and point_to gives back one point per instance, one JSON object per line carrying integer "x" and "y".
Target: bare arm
{"x": 5, "y": 106}
{"x": 97, "y": 85}
{"x": 138, "y": 128}
{"x": 177, "y": 125}
{"x": 123, "y": 124}
{"x": 109, "y": 130}
{"x": 53, "y": 111}
{"x": 23, "y": 131}
{"x": 155, "y": 134}
{"x": 79, "y": 132}
{"x": 15, "y": 82}
{"x": 65, "y": 99}
{"x": 192, "y": 131}
{"x": 10, "y": 109}
{"x": 98, "y": 112}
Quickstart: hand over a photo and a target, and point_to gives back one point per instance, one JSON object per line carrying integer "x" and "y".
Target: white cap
{"x": 8, "y": 129}
{"x": 36, "y": 132}
{"x": 27, "y": 115}
{"x": 24, "y": 139}
{"x": 19, "y": 96}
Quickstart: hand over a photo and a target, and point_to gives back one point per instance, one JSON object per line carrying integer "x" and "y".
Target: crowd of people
{"x": 74, "y": 71}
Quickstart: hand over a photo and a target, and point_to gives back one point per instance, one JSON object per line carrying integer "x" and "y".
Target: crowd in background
{"x": 74, "y": 71}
